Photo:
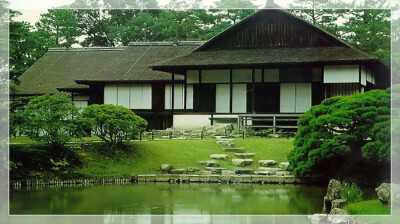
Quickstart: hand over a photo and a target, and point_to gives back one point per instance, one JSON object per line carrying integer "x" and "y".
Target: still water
{"x": 170, "y": 199}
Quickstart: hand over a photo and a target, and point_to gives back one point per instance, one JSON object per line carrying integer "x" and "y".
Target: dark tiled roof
{"x": 59, "y": 68}
{"x": 243, "y": 57}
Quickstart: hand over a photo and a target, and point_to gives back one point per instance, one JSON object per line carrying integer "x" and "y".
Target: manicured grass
{"x": 146, "y": 157}
{"x": 369, "y": 207}
{"x": 27, "y": 140}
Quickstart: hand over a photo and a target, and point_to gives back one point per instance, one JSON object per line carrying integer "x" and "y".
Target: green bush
{"x": 113, "y": 124}
{"x": 50, "y": 119}
{"x": 344, "y": 136}
{"x": 369, "y": 207}
{"x": 351, "y": 192}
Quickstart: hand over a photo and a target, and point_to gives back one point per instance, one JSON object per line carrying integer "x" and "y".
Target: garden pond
{"x": 170, "y": 199}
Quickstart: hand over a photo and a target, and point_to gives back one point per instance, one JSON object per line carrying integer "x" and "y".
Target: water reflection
{"x": 169, "y": 199}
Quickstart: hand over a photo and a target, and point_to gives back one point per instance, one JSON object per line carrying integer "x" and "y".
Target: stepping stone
{"x": 215, "y": 170}
{"x": 283, "y": 173}
{"x": 234, "y": 150}
{"x": 265, "y": 173}
{"x": 166, "y": 167}
{"x": 209, "y": 163}
{"x": 242, "y": 162}
{"x": 228, "y": 172}
{"x": 219, "y": 156}
{"x": 284, "y": 165}
{"x": 223, "y": 142}
{"x": 178, "y": 171}
{"x": 224, "y": 138}
{"x": 244, "y": 171}
{"x": 244, "y": 155}
{"x": 266, "y": 163}
{"x": 192, "y": 169}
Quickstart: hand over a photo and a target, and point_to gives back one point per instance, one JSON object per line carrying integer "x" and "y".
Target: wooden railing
{"x": 274, "y": 121}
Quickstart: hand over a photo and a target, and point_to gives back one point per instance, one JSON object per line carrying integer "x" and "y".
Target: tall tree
{"x": 22, "y": 52}
{"x": 59, "y": 28}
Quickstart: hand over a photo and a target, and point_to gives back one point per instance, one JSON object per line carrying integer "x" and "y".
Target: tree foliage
{"x": 114, "y": 124}
{"x": 51, "y": 119}
{"x": 344, "y": 134}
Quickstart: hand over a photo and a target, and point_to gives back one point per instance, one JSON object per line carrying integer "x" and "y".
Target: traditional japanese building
{"x": 264, "y": 71}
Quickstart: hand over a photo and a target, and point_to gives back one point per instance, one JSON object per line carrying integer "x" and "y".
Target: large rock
{"x": 283, "y": 173}
{"x": 383, "y": 192}
{"x": 242, "y": 162}
{"x": 265, "y": 173}
{"x": 318, "y": 218}
{"x": 333, "y": 192}
{"x": 284, "y": 165}
{"x": 209, "y": 163}
{"x": 266, "y": 163}
{"x": 166, "y": 167}
{"x": 338, "y": 211}
{"x": 244, "y": 171}
{"x": 244, "y": 155}
{"x": 338, "y": 203}
{"x": 270, "y": 170}
{"x": 219, "y": 156}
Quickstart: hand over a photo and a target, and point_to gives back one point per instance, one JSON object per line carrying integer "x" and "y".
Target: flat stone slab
{"x": 266, "y": 163}
{"x": 223, "y": 142}
{"x": 219, "y": 156}
{"x": 178, "y": 171}
{"x": 284, "y": 165}
{"x": 209, "y": 163}
{"x": 242, "y": 162}
{"x": 234, "y": 150}
{"x": 244, "y": 171}
{"x": 265, "y": 173}
{"x": 215, "y": 170}
{"x": 244, "y": 155}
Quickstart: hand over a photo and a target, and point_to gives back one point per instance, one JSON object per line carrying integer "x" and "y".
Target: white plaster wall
{"x": 110, "y": 94}
{"x": 215, "y": 76}
{"x": 222, "y": 98}
{"x": 239, "y": 98}
{"x": 287, "y": 98}
{"x": 189, "y": 122}
{"x": 341, "y": 74}
{"x": 363, "y": 76}
{"x": 303, "y": 97}
{"x": 189, "y": 96}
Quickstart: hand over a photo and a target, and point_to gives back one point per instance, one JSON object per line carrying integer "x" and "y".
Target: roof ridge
{"x": 80, "y": 49}
{"x": 167, "y": 43}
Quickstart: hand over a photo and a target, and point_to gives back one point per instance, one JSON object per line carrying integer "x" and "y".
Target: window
{"x": 295, "y": 97}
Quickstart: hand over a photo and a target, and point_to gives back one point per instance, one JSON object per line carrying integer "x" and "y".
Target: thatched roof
{"x": 60, "y": 68}
{"x": 254, "y": 57}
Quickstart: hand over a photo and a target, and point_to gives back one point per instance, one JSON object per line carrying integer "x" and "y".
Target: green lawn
{"x": 146, "y": 157}
{"x": 369, "y": 207}
{"x": 27, "y": 140}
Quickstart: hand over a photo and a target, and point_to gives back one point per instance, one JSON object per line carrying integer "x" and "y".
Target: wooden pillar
{"x": 185, "y": 91}
{"x": 253, "y": 92}
{"x": 230, "y": 90}
{"x": 262, "y": 74}
{"x": 359, "y": 78}
{"x": 173, "y": 93}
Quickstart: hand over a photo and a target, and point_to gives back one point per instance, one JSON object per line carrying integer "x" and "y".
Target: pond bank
{"x": 170, "y": 178}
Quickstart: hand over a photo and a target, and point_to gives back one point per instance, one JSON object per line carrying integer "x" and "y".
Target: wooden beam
{"x": 253, "y": 93}
{"x": 185, "y": 91}
{"x": 173, "y": 93}
{"x": 230, "y": 90}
